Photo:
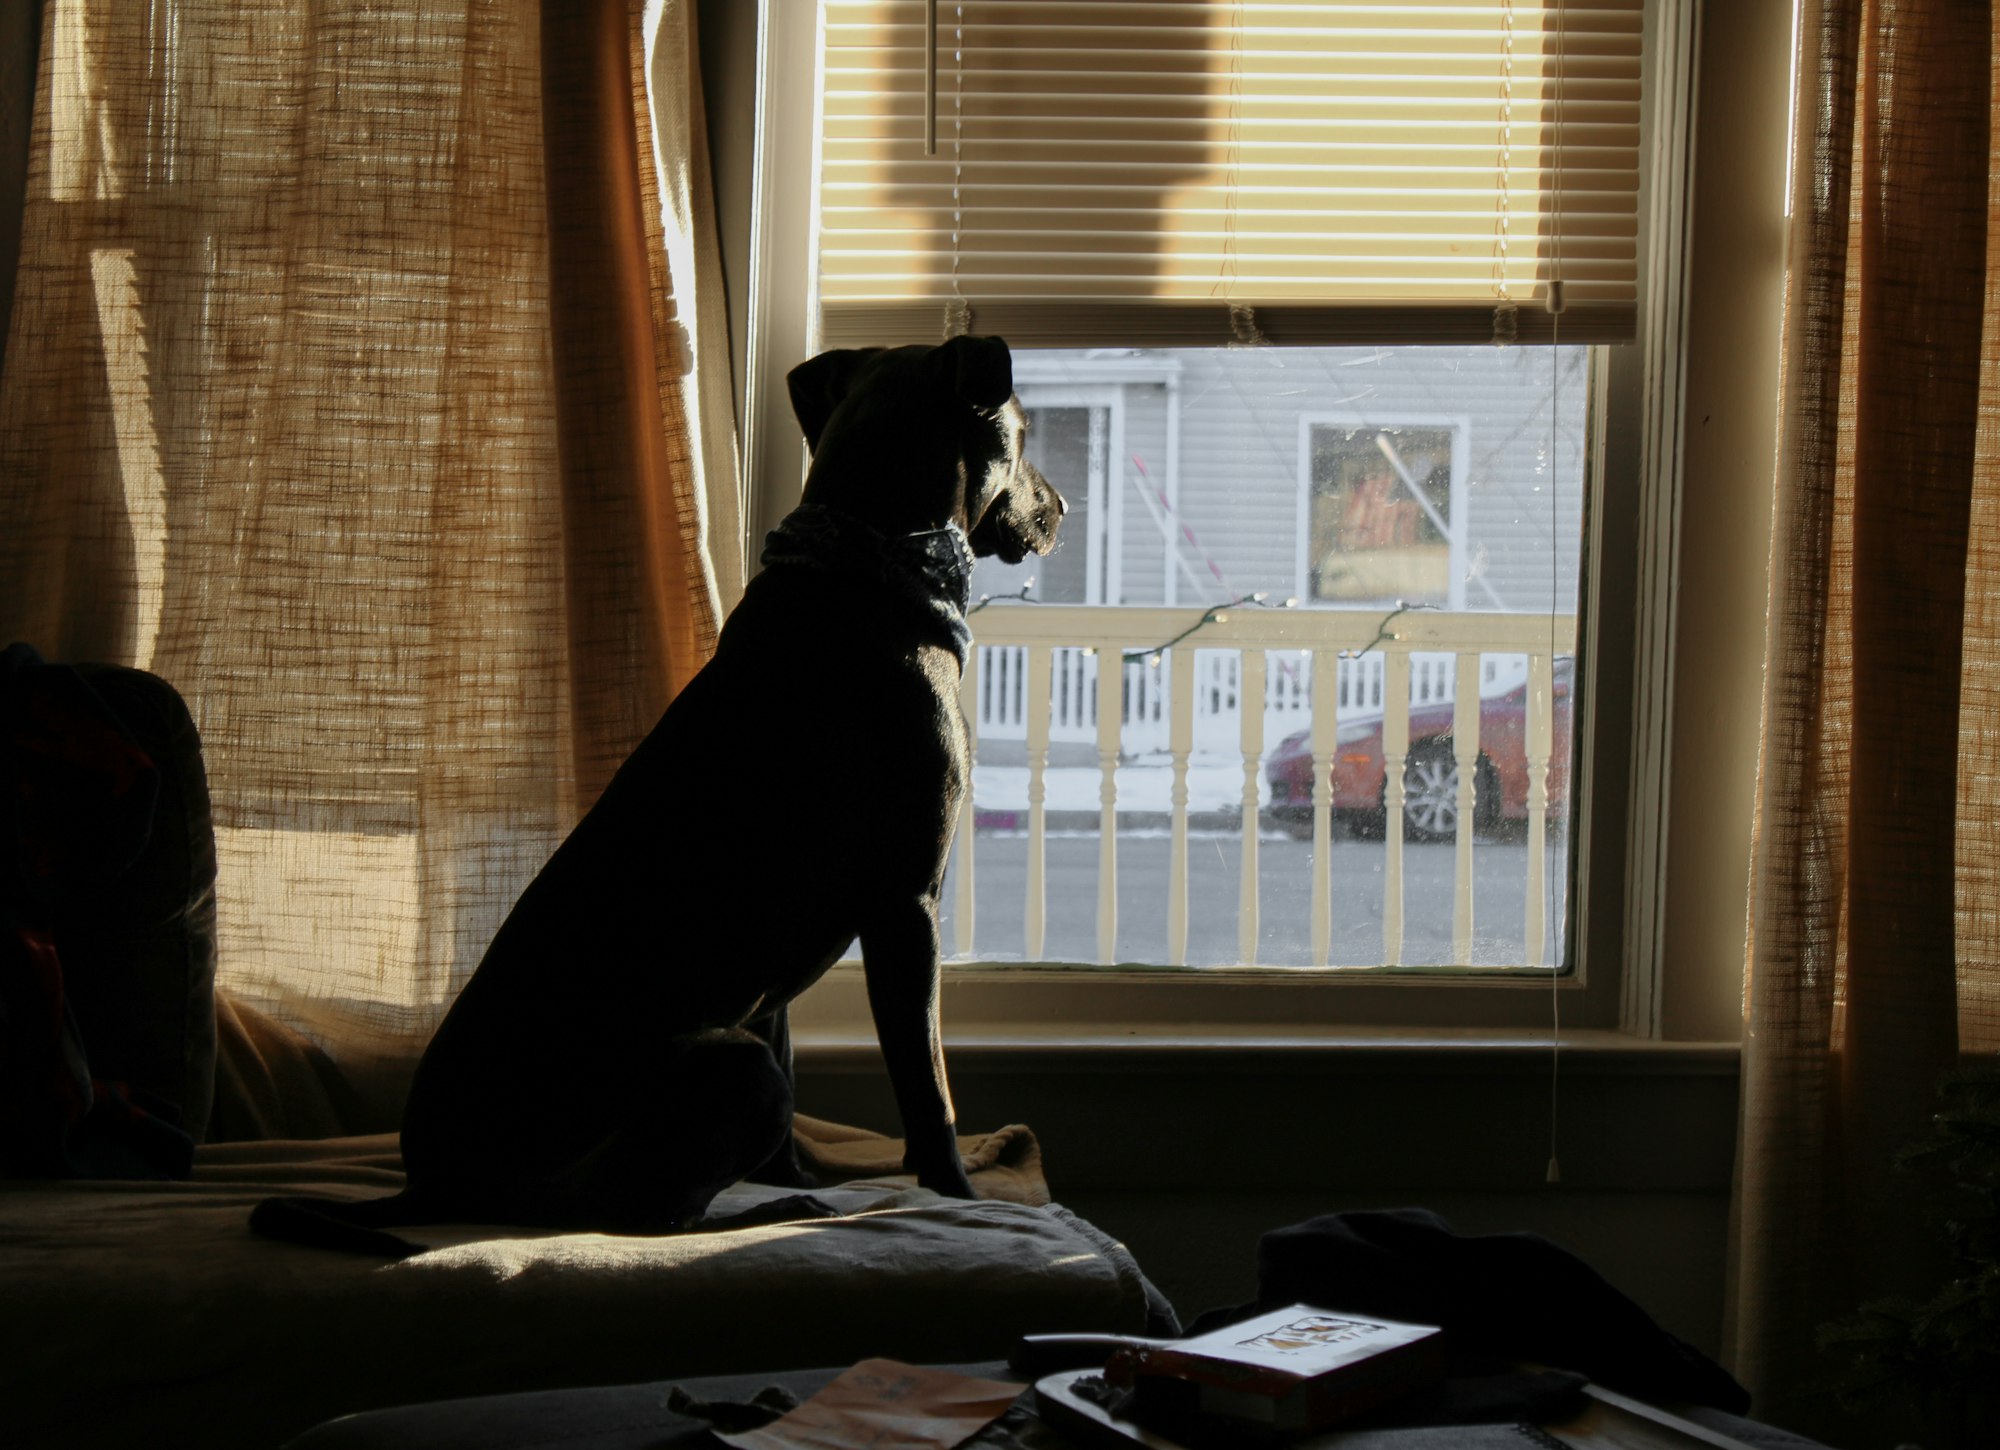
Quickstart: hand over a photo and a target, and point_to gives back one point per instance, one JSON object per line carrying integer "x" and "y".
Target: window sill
{"x": 996, "y": 1010}
{"x": 1590, "y": 1052}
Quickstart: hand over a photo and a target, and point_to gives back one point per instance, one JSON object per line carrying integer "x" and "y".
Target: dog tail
{"x": 332, "y": 1223}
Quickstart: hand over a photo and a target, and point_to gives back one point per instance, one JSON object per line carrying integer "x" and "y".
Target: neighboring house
{"x": 1197, "y": 476}
{"x": 1339, "y": 478}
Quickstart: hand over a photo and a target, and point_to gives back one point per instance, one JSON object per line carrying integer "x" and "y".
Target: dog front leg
{"x": 899, "y": 956}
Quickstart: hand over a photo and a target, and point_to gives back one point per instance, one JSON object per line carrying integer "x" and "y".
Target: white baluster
{"x": 1325, "y": 735}
{"x": 1395, "y": 752}
{"x": 1465, "y": 749}
{"x": 1110, "y": 716}
{"x": 1540, "y": 737}
{"x": 1251, "y": 688}
{"x": 968, "y": 694}
{"x": 1038, "y": 762}
{"x": 1182, "y": 685}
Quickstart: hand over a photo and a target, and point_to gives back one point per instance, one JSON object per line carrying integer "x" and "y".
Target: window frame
{"x": 1638, "y": 406}
{"x": 1460, "y": 428}
{"x": 1105, "y": 508}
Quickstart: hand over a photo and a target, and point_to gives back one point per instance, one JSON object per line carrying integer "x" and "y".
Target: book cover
{"x": 1292, "y": 1369}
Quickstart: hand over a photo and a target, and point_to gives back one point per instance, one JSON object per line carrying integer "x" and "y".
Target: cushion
{"x": 138, "y": 952}
{"x": 108, "y": 884}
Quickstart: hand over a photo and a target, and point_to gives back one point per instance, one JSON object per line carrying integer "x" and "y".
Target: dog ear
{"x": 981, "y": 369}
{"x": 820, "y": 384}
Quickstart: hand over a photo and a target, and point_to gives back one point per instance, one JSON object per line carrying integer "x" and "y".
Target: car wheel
{"x": 1486, "y": 797}
{"x": 1430, "y": 794}
{"x": 1298, "y": 824}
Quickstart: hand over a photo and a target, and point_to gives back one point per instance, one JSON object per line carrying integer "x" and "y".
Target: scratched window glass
{"x": 1296, "y": 688}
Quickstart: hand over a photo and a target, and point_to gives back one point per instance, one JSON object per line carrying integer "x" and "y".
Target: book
{"x": 1291, "y": 1370}
{"x": 1076, "y": 1403}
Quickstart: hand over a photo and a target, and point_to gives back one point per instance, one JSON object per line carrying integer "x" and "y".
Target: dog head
{"x": 913, "y": 438}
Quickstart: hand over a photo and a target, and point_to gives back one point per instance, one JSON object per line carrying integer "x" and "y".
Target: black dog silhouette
{"x": 621, "y": 1055}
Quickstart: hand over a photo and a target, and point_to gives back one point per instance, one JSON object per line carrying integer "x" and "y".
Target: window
{"x": 1254, "y": 323}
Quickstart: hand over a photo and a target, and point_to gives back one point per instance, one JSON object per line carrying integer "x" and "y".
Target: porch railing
{"x": 1038, "y": 676}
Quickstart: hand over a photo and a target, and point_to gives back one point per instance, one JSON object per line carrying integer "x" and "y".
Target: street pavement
{"x": 1500, "y": 877}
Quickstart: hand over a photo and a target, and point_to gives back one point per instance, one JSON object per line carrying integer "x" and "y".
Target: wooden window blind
{"x": 1184, "y": 174}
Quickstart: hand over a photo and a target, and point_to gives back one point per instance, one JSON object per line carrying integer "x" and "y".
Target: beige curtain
{"x": 345, "y": 389}
{"x": 1875, "y": 929}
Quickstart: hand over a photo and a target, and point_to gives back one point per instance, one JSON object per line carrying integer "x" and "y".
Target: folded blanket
{"x": 1005, "y": 1164}
{"x": 272, "y": 1081}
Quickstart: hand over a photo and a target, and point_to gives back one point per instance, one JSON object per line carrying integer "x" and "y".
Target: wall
{"x": 1189, "y": 1157}
{"x": 1729, "y": 447}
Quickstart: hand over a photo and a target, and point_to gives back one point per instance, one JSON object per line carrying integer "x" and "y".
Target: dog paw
{"x": 789, "y": 1174}
{"x": 949, "y": 1182}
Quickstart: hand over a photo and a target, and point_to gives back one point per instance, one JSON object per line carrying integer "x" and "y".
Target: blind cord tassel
{"x": 1243, "y": 327}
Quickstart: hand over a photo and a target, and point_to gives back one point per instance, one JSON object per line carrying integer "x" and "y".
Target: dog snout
{"x": 1039, "y": 485}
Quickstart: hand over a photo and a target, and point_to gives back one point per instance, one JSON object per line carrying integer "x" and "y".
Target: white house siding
{"x": 1142, "y": 558}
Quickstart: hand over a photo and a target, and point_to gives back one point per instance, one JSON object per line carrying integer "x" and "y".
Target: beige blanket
{"x": 144, "y": 1313}
{"x": 271, "y": 1081}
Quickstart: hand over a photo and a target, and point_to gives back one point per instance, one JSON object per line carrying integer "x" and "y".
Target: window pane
{"x": 1389, "y": 536}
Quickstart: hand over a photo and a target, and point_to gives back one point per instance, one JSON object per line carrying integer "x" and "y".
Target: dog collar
{"x": 931, "y": 570}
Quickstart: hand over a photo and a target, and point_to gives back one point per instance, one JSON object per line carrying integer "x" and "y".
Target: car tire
{"x": 1296, "y": 824}
{"x": 1430, "y": 793}
{"x": 1486, "y": 797}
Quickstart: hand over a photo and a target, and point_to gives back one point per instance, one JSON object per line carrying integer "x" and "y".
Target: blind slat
{"x": 1100, "y": 162}
{"x": 1360, "y": 323}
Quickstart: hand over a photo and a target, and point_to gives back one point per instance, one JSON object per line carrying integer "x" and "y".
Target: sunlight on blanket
{"x": 501, "y": 1259}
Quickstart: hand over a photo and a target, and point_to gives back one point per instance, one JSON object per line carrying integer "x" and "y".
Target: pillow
{"x": 138, "y": 950}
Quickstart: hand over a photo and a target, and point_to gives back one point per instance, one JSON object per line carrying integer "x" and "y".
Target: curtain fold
{"x": 632, "y": 512}
{"x": 1876, "y": 802}
{"x": 338, "y": 392}
{"x": 680, "y": 192}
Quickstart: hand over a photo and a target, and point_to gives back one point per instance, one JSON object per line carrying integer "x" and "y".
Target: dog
{"x": 622, "y": 1053}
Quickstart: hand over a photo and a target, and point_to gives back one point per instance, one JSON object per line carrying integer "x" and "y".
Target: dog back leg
{"x": 717, "y": 1108}
{"x": 782, "y": 1169}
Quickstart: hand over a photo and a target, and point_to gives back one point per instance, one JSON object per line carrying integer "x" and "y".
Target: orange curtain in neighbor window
{"x": 348, "y": 389}
{"x": 1875, "y": 923}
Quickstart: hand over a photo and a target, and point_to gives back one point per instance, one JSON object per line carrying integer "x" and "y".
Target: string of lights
{"x": 1214, "y": 614}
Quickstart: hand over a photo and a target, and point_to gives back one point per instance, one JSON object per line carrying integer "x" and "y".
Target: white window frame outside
{"x": 1460, "y": 428}
{"x": 1038, "y": 378}
{"x": 1105, "y": 544}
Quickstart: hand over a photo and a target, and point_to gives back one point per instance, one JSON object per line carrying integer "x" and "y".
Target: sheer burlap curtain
{"x": 1875, "y": 954}
{"x": 348, "y": 390}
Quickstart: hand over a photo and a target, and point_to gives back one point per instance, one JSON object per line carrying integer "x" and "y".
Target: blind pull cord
{"x": 930, "y": 77}
{"x": 957, "y": 310}
{"x": 1553, "y": 300}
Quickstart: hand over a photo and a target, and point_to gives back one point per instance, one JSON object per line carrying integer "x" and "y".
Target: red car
{"x": 1430, "y": 773}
